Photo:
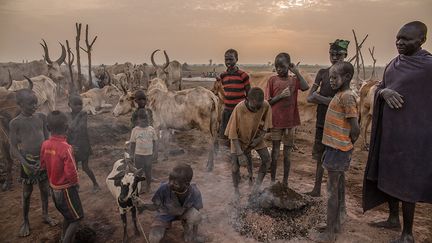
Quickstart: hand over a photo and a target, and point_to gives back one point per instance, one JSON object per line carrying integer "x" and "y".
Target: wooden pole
{"x": 78, "y": 56}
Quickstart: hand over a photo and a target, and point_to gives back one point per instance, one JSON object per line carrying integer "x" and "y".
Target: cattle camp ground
{"x": 108, "y": 135}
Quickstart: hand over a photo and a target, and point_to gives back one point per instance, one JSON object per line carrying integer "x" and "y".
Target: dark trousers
{"x": 226, "y": 114}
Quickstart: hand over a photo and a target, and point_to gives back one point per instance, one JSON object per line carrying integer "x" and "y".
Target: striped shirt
{"x": 234, "y": 85}
{"x": 337, "y": 127}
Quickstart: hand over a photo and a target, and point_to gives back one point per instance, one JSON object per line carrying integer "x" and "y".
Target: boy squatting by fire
{"x": 176, "y": 199}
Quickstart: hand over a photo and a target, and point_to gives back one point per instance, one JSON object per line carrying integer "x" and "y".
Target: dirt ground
{"x": 108, "y": 135}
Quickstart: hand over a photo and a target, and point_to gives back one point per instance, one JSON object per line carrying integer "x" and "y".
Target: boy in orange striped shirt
{"x": 341, "y": 130}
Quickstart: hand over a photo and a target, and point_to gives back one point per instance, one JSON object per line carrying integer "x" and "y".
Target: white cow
{"x": 94, "y": 100}
{"x": 44, "y": 88}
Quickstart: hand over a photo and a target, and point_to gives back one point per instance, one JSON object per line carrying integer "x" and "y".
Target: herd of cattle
{"x": 181, "y": 110}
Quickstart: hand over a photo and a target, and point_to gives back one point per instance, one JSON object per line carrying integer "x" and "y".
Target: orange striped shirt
{"x": 337, "y": 127}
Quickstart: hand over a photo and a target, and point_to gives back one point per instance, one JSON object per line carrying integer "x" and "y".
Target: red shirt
{"x": 56, "y": 157}
{"x": 285, "y": 112}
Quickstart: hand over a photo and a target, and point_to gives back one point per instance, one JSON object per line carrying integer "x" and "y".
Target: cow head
{"x": 125, "y": 104}
{"x": 99, "y": 72}
{"x": 217, "y": 89}
{"x": 9, "y": 84}
{"x": 54, "y": 67}
{"x": 161, "y": 72}
{"x": 127, "y": 179}
{"x": 157, "y": 84}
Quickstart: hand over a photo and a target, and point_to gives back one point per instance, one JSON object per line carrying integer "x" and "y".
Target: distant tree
{"x": 78, "y": 57}
{"x": 69, "y": 63}
{"x": 89, "y": 48}
{"x": 210, "y": 62}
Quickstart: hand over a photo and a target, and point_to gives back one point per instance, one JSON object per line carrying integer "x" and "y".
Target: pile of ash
{"x": 278, "y": 213}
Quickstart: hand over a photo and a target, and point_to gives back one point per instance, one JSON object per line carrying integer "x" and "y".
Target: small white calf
{"x": 123, "y": 183}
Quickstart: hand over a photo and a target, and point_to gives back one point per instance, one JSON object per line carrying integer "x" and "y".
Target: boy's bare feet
{"x": 326, "y": 237}
{"x": 25, "y": 229}
{"x": 49, "y": 221}
{"x": 7, "y": 185}
{"x": 314, "y": 193}
{"x": 405, "y": 238}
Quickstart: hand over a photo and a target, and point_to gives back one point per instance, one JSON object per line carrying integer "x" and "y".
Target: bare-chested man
{"x": 27, "y": 132}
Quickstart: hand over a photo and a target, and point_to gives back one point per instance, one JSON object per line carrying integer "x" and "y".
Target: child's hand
{"x": 255, "y": 142}
{"x": 294, "y": 68}
{"x": 285, "y": 93}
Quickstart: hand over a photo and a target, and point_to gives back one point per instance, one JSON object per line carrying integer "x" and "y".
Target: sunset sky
{"x": 195, "y": 31}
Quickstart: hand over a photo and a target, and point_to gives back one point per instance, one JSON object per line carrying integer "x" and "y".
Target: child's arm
{"x": 132, "y": 146}
{"x": 314, "y": 96}
{"x": 155, "y": 150}
{"x": 258, "y": 138}
{"x": 45, "y": 128}
{"x": 239, "y": 152}
{"x": 319, "y": 99}
{"x": 70, "y": 169}
{"x": 303, "y": 83}
{"x": 13, "y": 141}
{"x": 285, "y": 93}
{"x": 355, "y": 129}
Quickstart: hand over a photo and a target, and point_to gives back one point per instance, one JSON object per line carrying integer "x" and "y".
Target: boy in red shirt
{"x": 281, "y": 93}
{"x": 57, "y": 159}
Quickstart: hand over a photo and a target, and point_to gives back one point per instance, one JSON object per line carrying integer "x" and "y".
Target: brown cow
{"x": 367, "y": 96}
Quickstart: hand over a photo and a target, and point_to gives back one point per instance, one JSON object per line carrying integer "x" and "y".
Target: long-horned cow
{"x": 184, "y": 110}
{"x": 8, "y": 110}
{"x": 170, "y": 72}
{"x": 45, "y": 67}
{"x": 44, "y": 89}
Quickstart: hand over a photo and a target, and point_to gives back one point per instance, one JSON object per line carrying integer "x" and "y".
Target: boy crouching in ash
{"x": 57, "y": 159}
{"x": 176, "y": 200}
{"x": 341, "y": 130}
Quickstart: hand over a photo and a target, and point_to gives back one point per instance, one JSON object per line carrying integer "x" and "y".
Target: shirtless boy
{"x": 27, "y": 132}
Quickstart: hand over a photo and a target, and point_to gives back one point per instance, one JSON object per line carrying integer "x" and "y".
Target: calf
{"x": 367, "y": 96}
{"x": 95, "y": 99}
{"x": 123, "y": 183}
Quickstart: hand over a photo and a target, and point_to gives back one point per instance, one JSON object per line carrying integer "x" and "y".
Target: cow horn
{"x": 119, "y": 176}
{"x": 123, "y": 88}
{"x": 109, "y": 77}
{"x": 46, "y": 56}
{"x": 30, "y": 82}
{"x": 63, "y": 55}
{"x": 152, "y": 58}
{"x": 167, "y": 61}
{"x": 10, "y": 81}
